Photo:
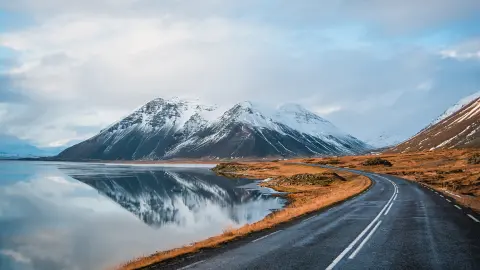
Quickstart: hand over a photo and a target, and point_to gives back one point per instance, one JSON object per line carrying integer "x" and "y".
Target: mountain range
{"x": 458, "y": 127}
{"x": 177, "y": 128}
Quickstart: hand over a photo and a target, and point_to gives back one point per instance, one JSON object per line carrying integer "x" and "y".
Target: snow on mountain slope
{"x": 178, "y": 128}
{"x": 457, "y": 130}
{"x": 455, "y": 108}
{"x": 385, "y": 140}
{"x": 298, "y": 118}
{"x": 174, "y": 115}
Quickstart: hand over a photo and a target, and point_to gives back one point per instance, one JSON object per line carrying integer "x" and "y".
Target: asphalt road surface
{"x": 397, "y": 224}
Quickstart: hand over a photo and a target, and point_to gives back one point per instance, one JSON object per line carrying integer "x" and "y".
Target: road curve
{"x": 397, "y": 224}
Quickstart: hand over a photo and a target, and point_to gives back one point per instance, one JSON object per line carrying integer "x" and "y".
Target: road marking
{"x": 308, "y": 219}
{"x": 474, "y": 219}
{"x": 191, "y": 265}
{"x": 340, "y": 257}
{"x": 448, "y": 200}
{"x": 458, "y": 207}
{"x": 442, "y": 196}
{"x": 452, "y": 194}
{"x": 388, "y": 209}
{"x": 352, "y": 256}
{"x": 395, "y": 197}
{"x": 265, "y": 236}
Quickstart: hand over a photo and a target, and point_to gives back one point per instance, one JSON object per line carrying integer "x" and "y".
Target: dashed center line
{"x": 458, "y": 207}
{"x": 448, "y": 200}
{"x": 474, "y": 219}
{"x": 442, "y": 196}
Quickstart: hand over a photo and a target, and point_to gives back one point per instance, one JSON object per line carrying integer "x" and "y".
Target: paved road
{"x": 397, "y": 224}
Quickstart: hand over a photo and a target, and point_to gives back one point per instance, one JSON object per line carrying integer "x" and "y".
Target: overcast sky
{"x": 69, "y": 68}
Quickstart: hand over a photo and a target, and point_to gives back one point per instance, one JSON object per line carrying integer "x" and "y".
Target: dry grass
{"x": 327, "y": 189}
{"x": 447, "y": 170}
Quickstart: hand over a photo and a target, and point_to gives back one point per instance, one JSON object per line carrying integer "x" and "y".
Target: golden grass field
{"x": 444, "y": 170}
{"x": 309, "y": 189}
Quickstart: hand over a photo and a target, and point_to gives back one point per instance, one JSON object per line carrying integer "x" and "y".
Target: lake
{"x": 57, "y": 215}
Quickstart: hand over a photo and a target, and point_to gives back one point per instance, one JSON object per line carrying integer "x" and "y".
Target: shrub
{"x": 474, "y": 159}
{"x": 229, "y": 166}
{"x": 319, "y": 179}
{"x": 330, "y": 162}
{"x": 377, "y": 161}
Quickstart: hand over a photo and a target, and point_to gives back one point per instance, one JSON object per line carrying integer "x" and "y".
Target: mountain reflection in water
{"x": 158, "y": 196}
{"x": 56, "y": 215}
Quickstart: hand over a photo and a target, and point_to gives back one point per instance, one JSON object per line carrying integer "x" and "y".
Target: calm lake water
{"x": 92, "y": 216}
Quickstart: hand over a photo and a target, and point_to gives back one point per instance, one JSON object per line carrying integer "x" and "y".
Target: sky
{"x": 372, "y": 67}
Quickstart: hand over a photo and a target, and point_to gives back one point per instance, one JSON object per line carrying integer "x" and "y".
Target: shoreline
{"x": 302, "y": 200}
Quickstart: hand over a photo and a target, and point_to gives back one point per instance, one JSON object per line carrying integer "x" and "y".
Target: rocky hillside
{"x": 458, "y": 127}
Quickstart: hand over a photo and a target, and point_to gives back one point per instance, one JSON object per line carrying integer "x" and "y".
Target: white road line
{"x": 452, "y": 194}
{"x": 265, "y": 236}
{"x": 395, "y": 197}
{"x": 308, "y": 219}
{"x": 352, "y": 256}
{"x": 442, "y": 196}
{"x": 340, "y": 257}
{"x": 388, "y": 209}
{"x": 190, "y": 265}
{"x": 448, "y": 200}
{"x": 474, "y": 219}
{"x": 458, "y": 207}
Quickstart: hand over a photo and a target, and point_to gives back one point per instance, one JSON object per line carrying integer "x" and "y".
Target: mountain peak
{"x": 167, "y": 128}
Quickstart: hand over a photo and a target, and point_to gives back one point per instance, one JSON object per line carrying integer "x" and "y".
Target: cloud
{"x": 468, "y": 50}
{"x": 83, "y": 65}
{"x": 15, "y": 255}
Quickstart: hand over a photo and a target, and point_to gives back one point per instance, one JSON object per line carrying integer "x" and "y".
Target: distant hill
{"x": 12, "y": 147}
{"x": 163, "y": 129}
{"x": 458, "y": 127}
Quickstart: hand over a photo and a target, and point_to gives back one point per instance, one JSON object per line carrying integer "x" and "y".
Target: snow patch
{"x": 457, "y": 107}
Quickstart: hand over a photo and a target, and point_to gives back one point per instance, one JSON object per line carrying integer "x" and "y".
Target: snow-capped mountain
{"x": 458, "y": 127}
{"x": 455, "y": 108}
{"x": 177, "y": 128}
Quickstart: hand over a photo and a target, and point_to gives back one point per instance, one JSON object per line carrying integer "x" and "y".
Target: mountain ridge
{"x": 458, "y": 127}
{"x": 178, "y": 128}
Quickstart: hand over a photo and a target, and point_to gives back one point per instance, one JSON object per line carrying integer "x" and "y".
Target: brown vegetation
{"x": 474, "y": 159}
{"x": 309, "y": 189}
{"x": 455, "y": 171}
{"x": 377, "y": 162}
{"x": 460, "y": 130}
